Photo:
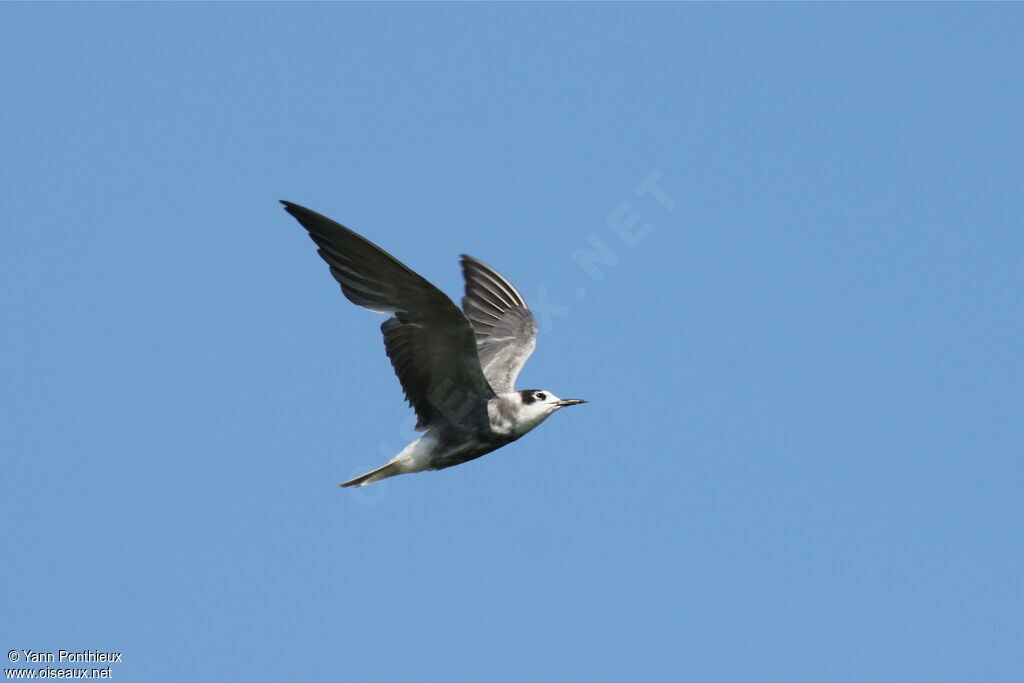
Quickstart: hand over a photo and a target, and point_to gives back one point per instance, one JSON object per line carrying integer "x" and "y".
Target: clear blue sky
{"x": 802, "y": 459}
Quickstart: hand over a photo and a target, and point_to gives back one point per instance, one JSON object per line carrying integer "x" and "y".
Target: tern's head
{"x": 538, "y": 404}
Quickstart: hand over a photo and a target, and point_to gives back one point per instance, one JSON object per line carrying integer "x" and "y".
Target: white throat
{"x": 510, "y": 416}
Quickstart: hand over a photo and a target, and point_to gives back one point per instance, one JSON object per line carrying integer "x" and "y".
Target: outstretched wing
{"x": 429, "y": 340}
{"x": 506, "y": 331}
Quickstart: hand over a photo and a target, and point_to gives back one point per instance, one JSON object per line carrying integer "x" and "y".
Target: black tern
{"x": 457, "y": 368}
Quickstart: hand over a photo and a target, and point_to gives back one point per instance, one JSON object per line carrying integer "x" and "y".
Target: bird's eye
{"x": 541, "y": 396}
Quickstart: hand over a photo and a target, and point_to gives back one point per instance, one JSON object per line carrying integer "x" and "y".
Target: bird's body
{"x": 458, "y": 368}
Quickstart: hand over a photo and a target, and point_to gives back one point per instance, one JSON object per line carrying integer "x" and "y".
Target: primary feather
{"x": 506, "y": 331}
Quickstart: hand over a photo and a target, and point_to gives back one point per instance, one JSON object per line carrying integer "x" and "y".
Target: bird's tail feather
{"x": 389, "y": 470}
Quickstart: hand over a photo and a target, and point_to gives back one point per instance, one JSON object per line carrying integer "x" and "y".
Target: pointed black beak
{"x": 570, "y": 402}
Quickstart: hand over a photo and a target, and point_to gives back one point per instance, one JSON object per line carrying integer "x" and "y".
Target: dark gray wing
{"x": 429, "y": 340}
{"x": 506, "y": 331}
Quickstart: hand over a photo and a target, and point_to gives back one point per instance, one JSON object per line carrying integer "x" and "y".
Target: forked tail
{"x": 389, "y": 470}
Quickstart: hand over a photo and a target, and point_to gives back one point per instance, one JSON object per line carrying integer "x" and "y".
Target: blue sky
{"x": 802, "y": 456}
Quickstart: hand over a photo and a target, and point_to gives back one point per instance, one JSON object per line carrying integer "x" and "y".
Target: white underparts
{"x": 418, "y": 455}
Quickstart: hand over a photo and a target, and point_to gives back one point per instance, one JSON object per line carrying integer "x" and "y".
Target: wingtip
{"x": 297, "y": 211}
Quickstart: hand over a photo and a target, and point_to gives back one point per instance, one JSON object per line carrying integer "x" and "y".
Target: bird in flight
{"x": 457, "y": 368}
